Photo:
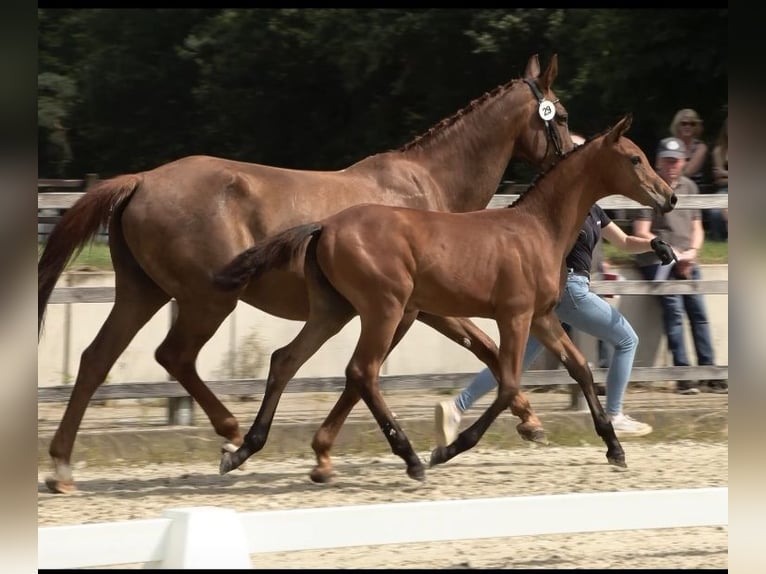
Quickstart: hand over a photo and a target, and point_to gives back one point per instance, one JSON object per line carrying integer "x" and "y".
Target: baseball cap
{"x": 672, "y": 147}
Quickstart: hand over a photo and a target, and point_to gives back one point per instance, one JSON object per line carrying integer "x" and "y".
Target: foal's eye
{"x": 562, "y": 118}
{"x": 635, "y": 160}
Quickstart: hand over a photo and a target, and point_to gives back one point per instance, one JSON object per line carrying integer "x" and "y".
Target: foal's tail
{"x": 76, "y": 228}
{"x": 271, "y": 253}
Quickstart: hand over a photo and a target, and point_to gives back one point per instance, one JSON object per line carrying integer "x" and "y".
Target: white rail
{"x": 211, "y": 537}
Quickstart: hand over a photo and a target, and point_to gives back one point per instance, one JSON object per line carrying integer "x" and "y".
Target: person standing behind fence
{"x": 720, "y": 157}
{"x": 682, "y": 228}
{"x": 687, "y": 126}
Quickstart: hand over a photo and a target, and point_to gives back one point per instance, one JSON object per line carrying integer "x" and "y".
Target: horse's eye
{"x": 635, "y": 160}
{"x": 562, "y": 118}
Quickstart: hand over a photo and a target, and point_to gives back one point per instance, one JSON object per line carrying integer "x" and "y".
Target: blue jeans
{"x": 586, "y": 311}
{"x": 673, "y": 308}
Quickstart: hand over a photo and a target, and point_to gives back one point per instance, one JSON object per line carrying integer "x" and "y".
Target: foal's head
{"x": 626, "y": 170}
{"x": 547, "y": 135}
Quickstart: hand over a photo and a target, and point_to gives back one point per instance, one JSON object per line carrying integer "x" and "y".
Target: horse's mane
{"x": 540, "y": 176}
{"x": 446, "y": 122}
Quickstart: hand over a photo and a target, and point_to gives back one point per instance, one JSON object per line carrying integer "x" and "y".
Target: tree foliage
{"x": 123, "y": 90}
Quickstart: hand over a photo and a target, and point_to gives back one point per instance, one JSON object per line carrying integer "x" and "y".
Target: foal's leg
{"x": 466, "y": 333}
{"x": 325, "y": 436}
{"x": 514, "y": 332}
{"x": 323, "y": 323}
{"x": 378, "y": 328}
{"x": 134, "y": 304}
{"x": 548, "y": 330}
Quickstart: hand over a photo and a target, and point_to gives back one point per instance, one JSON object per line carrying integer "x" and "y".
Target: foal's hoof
{"x": 438, "y": 456}
{"x": 417, "y": 472}
{"x": 230, "y": 447}
{"x": 536, "y": 435}
{"x": 227, "y": 463}
{"x": 57, "y": 486}
{"x": 321, "y": 475}
{"x": 617, "y": 460}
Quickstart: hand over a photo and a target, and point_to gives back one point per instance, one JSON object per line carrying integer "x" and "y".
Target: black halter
{"x": 553, "y": 135}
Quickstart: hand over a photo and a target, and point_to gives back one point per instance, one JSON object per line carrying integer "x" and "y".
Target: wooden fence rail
{"x": 245, "y": 387}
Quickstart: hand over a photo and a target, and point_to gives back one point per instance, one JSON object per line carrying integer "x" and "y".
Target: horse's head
{"x": 628, "y": 172}
{"x": 547, "y": 138}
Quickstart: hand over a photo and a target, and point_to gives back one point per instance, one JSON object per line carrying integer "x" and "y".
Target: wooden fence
{"x": 179, "y": 400}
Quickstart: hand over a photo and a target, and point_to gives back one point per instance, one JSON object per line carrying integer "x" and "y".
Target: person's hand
{"x": 663, "y": 250}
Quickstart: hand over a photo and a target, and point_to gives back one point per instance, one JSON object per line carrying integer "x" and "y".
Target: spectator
{"x": 720, "y": 157}
{"x": 681, "y": 228}
{"x": 687, "y": 126}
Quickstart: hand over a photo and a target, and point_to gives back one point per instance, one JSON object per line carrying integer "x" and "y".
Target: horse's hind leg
{"x": 325, "y": 436}
{"x": 466, "y": 333}
{"x": 193, "y": 327}
{"x": 363, "y": 372}
{"x": 548, "y": 330}
{"x": 285, "y": 362}
{"x": 135, "y": 303}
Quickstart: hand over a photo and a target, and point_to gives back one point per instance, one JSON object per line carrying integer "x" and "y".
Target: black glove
{"x": 663, "y": 250}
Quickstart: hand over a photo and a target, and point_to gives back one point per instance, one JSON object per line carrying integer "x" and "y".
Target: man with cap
{"x": 681, "y": 228}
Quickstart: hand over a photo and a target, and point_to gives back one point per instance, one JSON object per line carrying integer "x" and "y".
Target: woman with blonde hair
{"x": 687, "y": 126}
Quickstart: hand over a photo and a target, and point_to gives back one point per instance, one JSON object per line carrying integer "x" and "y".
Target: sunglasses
{"x": 689, "y": 123}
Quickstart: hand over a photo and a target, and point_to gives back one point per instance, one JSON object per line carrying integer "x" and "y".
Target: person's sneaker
{"x": 625, "y": 425}
{"x": 687, "y": 388}
{"x": 447, "y": 418}
{"x": 718, "y": 386}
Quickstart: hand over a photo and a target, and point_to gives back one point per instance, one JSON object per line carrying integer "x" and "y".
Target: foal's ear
{"x": 550, "y": 73}
{"x": 533, "y": 67}
{"x": 619, "y": 129}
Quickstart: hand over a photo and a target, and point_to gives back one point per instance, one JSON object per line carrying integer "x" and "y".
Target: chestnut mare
{"x": 172, "y": 228}
{"x": 387, "y": 264}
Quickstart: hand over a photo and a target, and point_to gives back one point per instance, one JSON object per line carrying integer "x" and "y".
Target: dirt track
{"x": 109, "y": 494}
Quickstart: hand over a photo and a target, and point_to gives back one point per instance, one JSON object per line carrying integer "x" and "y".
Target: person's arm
{"x": 695, "y": 242}
{"x": 629, "y": 243}
{"x": 642, "y": 231}
{"x": 696, "y": 161}
{"x": 720, "y": 173}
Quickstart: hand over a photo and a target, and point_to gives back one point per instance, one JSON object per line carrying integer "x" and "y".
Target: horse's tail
{"x": 271, "y": 253}
{"x": 76, "y": 228}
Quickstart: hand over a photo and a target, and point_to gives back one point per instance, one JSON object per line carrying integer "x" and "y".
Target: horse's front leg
{"x": 548, "y": 330}
{"x": 514, "y": 331}
{"x": 464, "y": 332}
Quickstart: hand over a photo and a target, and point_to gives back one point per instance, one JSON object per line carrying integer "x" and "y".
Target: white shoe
{"x": 447, "y": 418}
{"x": 625, "y": 425}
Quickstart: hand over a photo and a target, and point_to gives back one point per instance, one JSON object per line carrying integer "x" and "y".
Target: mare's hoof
{"x": 321, "y": 476}
{"x": 57, "y": 486}
{"x": 617, "y": 460}
{"x": 417, "y": 472}
{"x": 536, "y": 435}
{"x": 437, "y": 456}
{"x": 227, "y": 464}
{"x": 230, "y": 447}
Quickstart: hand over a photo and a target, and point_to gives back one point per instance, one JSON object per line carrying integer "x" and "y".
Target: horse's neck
{"x": 470, "y": 157}
{"x": 561, "y": 204}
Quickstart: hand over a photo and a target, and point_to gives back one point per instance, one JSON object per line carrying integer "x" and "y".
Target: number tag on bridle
{"x": 547, "y": 110}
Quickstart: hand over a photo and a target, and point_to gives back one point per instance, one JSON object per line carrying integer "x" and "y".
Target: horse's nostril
{"x": 673, "y": 200}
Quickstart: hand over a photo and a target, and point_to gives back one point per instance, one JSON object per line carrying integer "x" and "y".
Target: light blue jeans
{"x": 586, "y": 311}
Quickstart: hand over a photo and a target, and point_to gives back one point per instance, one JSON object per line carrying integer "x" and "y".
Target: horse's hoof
{"x": 230, "y": 447}
{"x": 227, "y": 464}
{"x": 618, "y": 461}
{"x": 417, "y": 472}
{"x": 536, "y": 435}
{"x": 57, "y": 486}
{"x": 437, "y": 456}
{"x": 321, "y": 476}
